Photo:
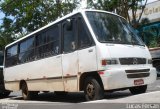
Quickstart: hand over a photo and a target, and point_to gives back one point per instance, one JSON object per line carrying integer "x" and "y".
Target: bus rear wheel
{"x": 138, "y": 89}
{"x": 27, "y": 95}
{"x": 92, "y": 89}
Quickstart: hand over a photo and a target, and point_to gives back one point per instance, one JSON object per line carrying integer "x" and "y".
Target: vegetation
{"x": 122, "y": 7}
{"x": 25, "y": 16}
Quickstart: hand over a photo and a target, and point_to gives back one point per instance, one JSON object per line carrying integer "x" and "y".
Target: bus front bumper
{"x": 117, "y": 79}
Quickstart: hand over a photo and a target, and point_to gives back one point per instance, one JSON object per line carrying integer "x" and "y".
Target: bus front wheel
{"x": 27, "y": 95}
{"x": 138, "y": 89}
{"x": 92, "y": 89}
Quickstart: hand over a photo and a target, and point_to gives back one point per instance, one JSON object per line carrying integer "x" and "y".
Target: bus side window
{"x": 26, "y": 51}
{"x": 41, "y": 45}
{"x": 53, "y": 40}
{"x": 11, "y": 56}
{"x": 83, "y": 37}
{"x": 69, "y": 37}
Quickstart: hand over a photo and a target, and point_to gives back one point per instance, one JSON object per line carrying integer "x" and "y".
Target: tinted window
{"x": 27, "y": 50}
{"x": 69, "y": 37}
{"x": 12, "y": 51}
{"x": 53, "y": 34}
{"x": 48, "y": 43}
{"x": 11, "y": 56}
{"x": 83, "y": 37}
{"x": 27, "y": 44}
{"x": 26, "y": 56}
{"x": 41, "y": 39}
{"x": 45, "y": 44}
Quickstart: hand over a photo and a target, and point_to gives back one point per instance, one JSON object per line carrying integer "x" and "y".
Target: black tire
{"x": 138, "y": 89}
{"x": 93, "y": 90}
{"x": 28, "y": 95}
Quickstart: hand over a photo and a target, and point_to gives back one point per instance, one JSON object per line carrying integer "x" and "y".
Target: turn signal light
{"x": 104, "y": 62}
{"x": 109, "y": 62}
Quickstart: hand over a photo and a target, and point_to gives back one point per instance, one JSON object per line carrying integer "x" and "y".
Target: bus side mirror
{"x": 69, "y": 24}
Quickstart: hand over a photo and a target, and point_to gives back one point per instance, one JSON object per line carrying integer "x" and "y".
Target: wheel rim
{"x": 90, "y": 90}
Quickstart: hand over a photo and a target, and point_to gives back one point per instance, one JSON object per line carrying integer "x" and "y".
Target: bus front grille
{"x": 137, "y": 73}
{"x": 132, "y": 61}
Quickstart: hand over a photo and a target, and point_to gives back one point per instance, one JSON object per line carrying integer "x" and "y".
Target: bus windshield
{"x": 110, "y": 28}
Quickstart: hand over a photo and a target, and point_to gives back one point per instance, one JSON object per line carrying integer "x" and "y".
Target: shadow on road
{"x": 74, "y": 97}
{"x": 79, "y": 97}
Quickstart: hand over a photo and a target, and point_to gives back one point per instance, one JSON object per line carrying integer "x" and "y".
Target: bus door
{"x": 69, "y": 55}
{"x": 86, "y": 48}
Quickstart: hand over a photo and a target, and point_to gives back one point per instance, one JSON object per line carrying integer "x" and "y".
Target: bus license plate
{"x": 138, "y": 82}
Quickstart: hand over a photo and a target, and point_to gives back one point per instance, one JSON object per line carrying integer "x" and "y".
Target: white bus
{"x": 89, "y": 50}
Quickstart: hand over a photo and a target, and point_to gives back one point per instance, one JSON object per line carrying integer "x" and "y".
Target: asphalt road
{"x": 119, "y": 99}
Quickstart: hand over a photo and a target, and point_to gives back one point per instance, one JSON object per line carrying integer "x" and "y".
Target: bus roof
{"x": 58, "y": 20}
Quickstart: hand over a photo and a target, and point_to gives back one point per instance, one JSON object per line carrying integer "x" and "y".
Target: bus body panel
{"x": 112, "y": 79}
{"x": 87, "y": 59}
{"x": 12, "y": 86}
{"x": 48, "y": 69}
{"x": 119, "y": 50}
{"x": 46, "y": 85}
{"x": 70, "y": 69}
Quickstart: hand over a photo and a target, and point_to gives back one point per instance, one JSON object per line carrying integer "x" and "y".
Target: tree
{"x": 28, "y": 15}
{"x": 144, "y": 21}
{"x": 33, "y": 14}
{"x": 6, "y": 33}
{"x": 122, "y": 7}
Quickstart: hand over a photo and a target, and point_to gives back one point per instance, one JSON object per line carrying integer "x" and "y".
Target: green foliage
{"x": 144, "y": 21}
{"x": 25, "y": 16}
{"x": 153, "y": 43}
{"x": 121, "y": 7}
{"x": 33, "y": 14}
{"x": 6, "y": 32}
